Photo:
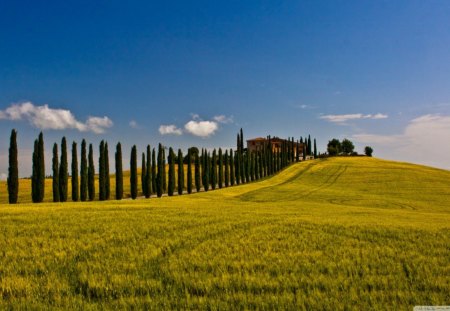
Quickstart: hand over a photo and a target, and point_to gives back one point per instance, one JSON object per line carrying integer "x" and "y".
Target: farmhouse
{"x": 259, "y": 143}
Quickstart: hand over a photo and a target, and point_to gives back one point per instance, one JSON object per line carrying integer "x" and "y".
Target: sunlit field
{"x": 340, "y": 233}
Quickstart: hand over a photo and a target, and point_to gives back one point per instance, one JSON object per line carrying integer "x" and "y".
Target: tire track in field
{"x": 252, "y": 195}
{"x": 329, "y": 182}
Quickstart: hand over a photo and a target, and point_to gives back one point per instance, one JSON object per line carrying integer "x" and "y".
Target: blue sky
{"x": 376, "y": 72}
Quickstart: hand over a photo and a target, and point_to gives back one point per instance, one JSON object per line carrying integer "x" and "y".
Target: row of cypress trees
{"x": 216, "y": 169}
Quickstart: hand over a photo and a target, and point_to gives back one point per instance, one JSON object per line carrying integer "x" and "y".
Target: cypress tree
{"x": 164, "y": 175}
{"x": 309, "y": 145}
{"x": 171, "y": 185}
{"x": 159, "y": 178}
{"x": 119, "y": 172}
{"x": 148, "y": 174}
{"x": 143, "y": 174}
{"x": 83, "y": 172}
{"x": 207, "y": 164}
{"x": 55, "y": 170}
{"x": 238, "y": 142}
{"x": 242, "y": 140}
{"x": 252, "y": 166}
{"x": 41, "y": 168}
{"x": 101, "y": 172}
{"x": 107, "y": 180}
{"x": 256, "y": 165}
{"x": 63, "y": 172}
{"x": 214, "y": 170}
{"x": 220, "y": 168}
{"x": 75, "y": 185}
{"x": 91, "y": 174}
{"x": 315, "y": 149}
{"x": 247, "y": 166}
{"x": 153, "y": 171}
{"x": 197, "y": 172}
{"x": 13, "y": 169}
{"x": 237, "y": 169}
{"x": 189, "y": 172}
{"x": 232, "y": 176}
{"x": 35, "y": 174}
{"x": 227, "y": 169}
{"x": 297, "y": 152}
{"x": 304, "y": 152}
{"x": 261, "y": 164}
{"x": 180, "y": 172}
{"x": 133, "y": 173}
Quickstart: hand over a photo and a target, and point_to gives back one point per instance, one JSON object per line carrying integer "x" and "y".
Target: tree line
{"x": 204, "y": 170}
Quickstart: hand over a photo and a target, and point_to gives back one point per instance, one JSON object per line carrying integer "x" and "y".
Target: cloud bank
{"x": 424, "y": 140}
{"x": 342, "y": 118}
{"x": 44, "y": 117}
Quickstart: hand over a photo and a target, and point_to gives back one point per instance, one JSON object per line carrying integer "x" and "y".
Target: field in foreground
{"x": 355, "y": 233}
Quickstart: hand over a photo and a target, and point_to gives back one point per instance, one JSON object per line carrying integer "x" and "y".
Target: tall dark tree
{"x": 101, "y": 172}
{"x": 119, "y": 172}
{"x": 189, "y": 171}
{"x": 247, "y": 163}
{"x": 242, "y": 140}
{"x": 133, "y": 173}
{"x": 304, "y": 152}
{"x": 214, "y": 170}
{"x": 107, "y": 180}
{"x": 171, "y": 184}
{"x": 41, "y": 151}
{"x": 63, "y": 172}
{"x": 164, "y": 175}
{"x": 148, "y": 174}
{"x": 91, "y": 174}
{"x": 226, "y": 169}
{"x": 75, "y": 185}
{"x": 206, "y": 170}
{"x": 238, "y": 142}
{"x": 153, "y": 171}
{"x": 220, "y": 168}
{"x": 143, "y": 173}
{"x": 232, "y": 176}
{"x": 197, "y": 172}
{"x": 315, "y": 149}
{"x": 13, "y": 169}
{"x": 35, "y": 173}
{"x": 55, "y": 171}
{"x": 159, "y": 176}
{"x": 83, "y": 173}
{"x": 237, "y": 167}
{"x": 180, "y": 172}
{"x": 309, "y": 145}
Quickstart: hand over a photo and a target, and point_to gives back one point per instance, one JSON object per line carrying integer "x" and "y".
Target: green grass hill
{"x": 332, "y": 234}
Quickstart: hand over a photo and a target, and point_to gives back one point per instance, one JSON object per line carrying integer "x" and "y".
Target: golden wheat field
{"x": 331, "y": 234}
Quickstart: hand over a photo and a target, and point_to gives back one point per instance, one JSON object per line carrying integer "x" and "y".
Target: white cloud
{"x": 98, "y": 125}
{"x": 223, "y": 119}
{"x": 201, "y": 128}
{"x": 170, "y": 130}
{"x": 342, "y": 118}
{"x": 133, "y": 124}
{"x": 44, "y": 117}
{"x": 422, "y": 141}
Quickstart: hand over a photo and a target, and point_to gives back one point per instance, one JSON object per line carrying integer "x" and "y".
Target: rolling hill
{"x": 338, "y": 233}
